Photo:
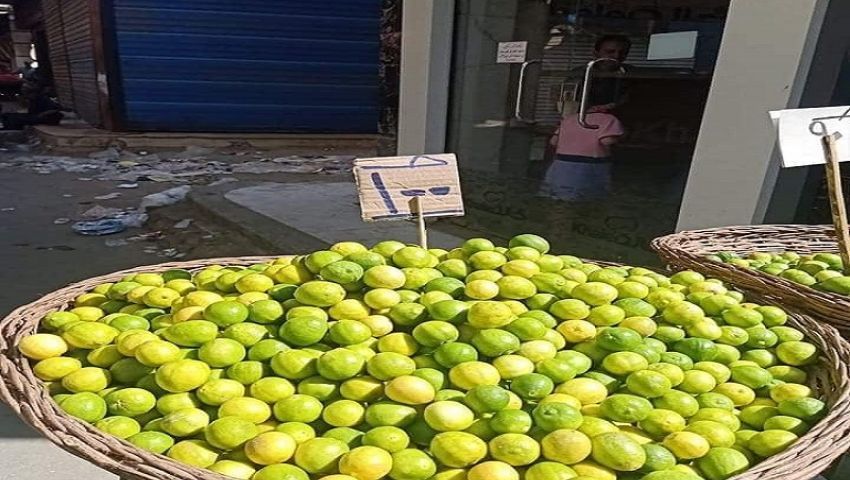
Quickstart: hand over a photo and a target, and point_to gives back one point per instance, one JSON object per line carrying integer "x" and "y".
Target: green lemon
{"x": 595, "y": 293}
{"x": 648, "y": 384}
{"x": 55, "y": 368}
{"x": 215, "y": 392}
{"x": 130, "y": 402}
{"x": 511, "y": 421}
{"x": 493, "y": 342}
{"x": 366, "y": 463}
{"x": 717, "y": 434}
{"x": 86, "y": 406}
{"x": 412, "y": 464}
{"x": 487, "y": 398}
{"x": 320, "y": 455}
{"x": 514, "y": 449}
{"x": 625, "y": 408}
{"x": 121, "y": 427}
{"x": 390, "y": 414}
{"x": 770, "y": 442}
{"x": 808, "y": 409}
{"x": 229, "y": 432}
{"x": 127, "y": 371}
{"x": 791, "y": 424}
{"x": 221, "y": 352}
{"x": 751, "y": 376}
{"x": 660, "y": 422}
{"x": 686, "y": 445}
{"x": 410, "y": 390}
{"x": 88, "y": 335}
{"x": 682, "y": 313}
{"x": 458, "y": 449}
{"x": 450, "y": 354}
{"x": 282, "y": 471}
{"x": 319, "y": 293}
{"x": 389, "y": 438}
{"x": 606, "y": 315}
{"x": 435, "y": 333}
{"x": 191, "y": 333}
{"x": 797, "y": 353}
{"x": 182, "y": 375}
{"x": 715, "y": 400}
{"x": 445, "y": 416}
{"x": 618, "y": 452}
{"x": 226, "y": 313}
{"x": 196, "y": 453}
{"x": 318, "y": 387}
{"x": 618, "y": 339}
{"x": 722, "y": 463}
{"x": 343, "y": 413}
{"x": 294, "y": 364}
{"x": 566, "y": 446}
{"x": 298, "y": 408}
{"x": 155, "y": 442}
{"x": 247, "y": 372}
{"x": 556, "y": 416}
{"x": 271, "y": 389}
{"x": 247, "y": 408}
{"x": 233, "y": 469}
{"x": 624, "y": 363}
{"x": 185, "y": 422}
{"x": 532, "y": 386}
{"x": 549, "y": 471}
{"x": 300, "y": 432}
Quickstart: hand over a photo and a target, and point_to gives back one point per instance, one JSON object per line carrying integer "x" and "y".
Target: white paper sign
{"x": 800, "y": 133}
{"x": 670, "y": 46}
{"x": 388, "y": 186}
{"x": 511, "y": 52}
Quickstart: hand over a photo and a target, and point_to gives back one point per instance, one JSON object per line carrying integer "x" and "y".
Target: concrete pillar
{"x": 763, "y": 65}
{"x": 426, "y": 52}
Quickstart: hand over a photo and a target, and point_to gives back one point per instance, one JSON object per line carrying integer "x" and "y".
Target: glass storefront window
{"x": 596, "y": 192}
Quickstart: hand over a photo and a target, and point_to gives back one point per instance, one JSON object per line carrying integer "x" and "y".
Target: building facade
{"x": 699, "y": 149}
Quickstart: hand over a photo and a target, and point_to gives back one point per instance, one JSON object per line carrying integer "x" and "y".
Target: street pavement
{"x": 38, "y": 257}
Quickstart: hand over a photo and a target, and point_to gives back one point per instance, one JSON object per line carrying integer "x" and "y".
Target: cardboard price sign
{"x": 398, "y": 188}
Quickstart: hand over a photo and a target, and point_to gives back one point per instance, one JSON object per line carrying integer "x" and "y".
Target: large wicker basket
{"x": 688, "y": 249}
{"x": 19, "y": 388}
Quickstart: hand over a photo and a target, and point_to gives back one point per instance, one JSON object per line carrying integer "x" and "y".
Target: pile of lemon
{"x": 822, "y": 271}
{"x": 479, "y": 363}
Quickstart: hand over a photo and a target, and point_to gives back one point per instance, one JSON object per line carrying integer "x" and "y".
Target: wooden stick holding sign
{"x": 420, "y": 220}
{"x": 836, "y": 196}
{"x": 399, "y": 188}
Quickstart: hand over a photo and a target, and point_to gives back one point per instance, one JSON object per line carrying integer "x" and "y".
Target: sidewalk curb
{"x": 276, "y": 236}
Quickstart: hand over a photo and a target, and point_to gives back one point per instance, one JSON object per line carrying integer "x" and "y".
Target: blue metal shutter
{"x": 248, "y": 65}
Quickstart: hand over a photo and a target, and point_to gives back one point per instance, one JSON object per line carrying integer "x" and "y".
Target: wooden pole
{"x": 420, "y": 218}
{"x": 836, "y": 198}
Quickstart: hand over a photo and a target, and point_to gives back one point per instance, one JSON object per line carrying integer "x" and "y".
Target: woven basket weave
{"x": 24, "y": 393}
{"x": 687, "y": 250}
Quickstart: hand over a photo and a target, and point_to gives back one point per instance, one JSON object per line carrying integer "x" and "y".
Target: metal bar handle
{"x": 520, "y": 88}
{"x": 585, "y": 92}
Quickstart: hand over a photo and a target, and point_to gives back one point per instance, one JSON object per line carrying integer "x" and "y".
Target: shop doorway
{"x": 647, "y": 99}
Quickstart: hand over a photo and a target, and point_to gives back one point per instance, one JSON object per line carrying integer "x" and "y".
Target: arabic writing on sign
{"x": 818, "y": 125}
{"x": 387, "y": 186}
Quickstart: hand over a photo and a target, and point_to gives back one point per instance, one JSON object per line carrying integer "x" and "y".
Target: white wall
{"x": 426, "y": 46}
{"x": 763, "y": 63}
